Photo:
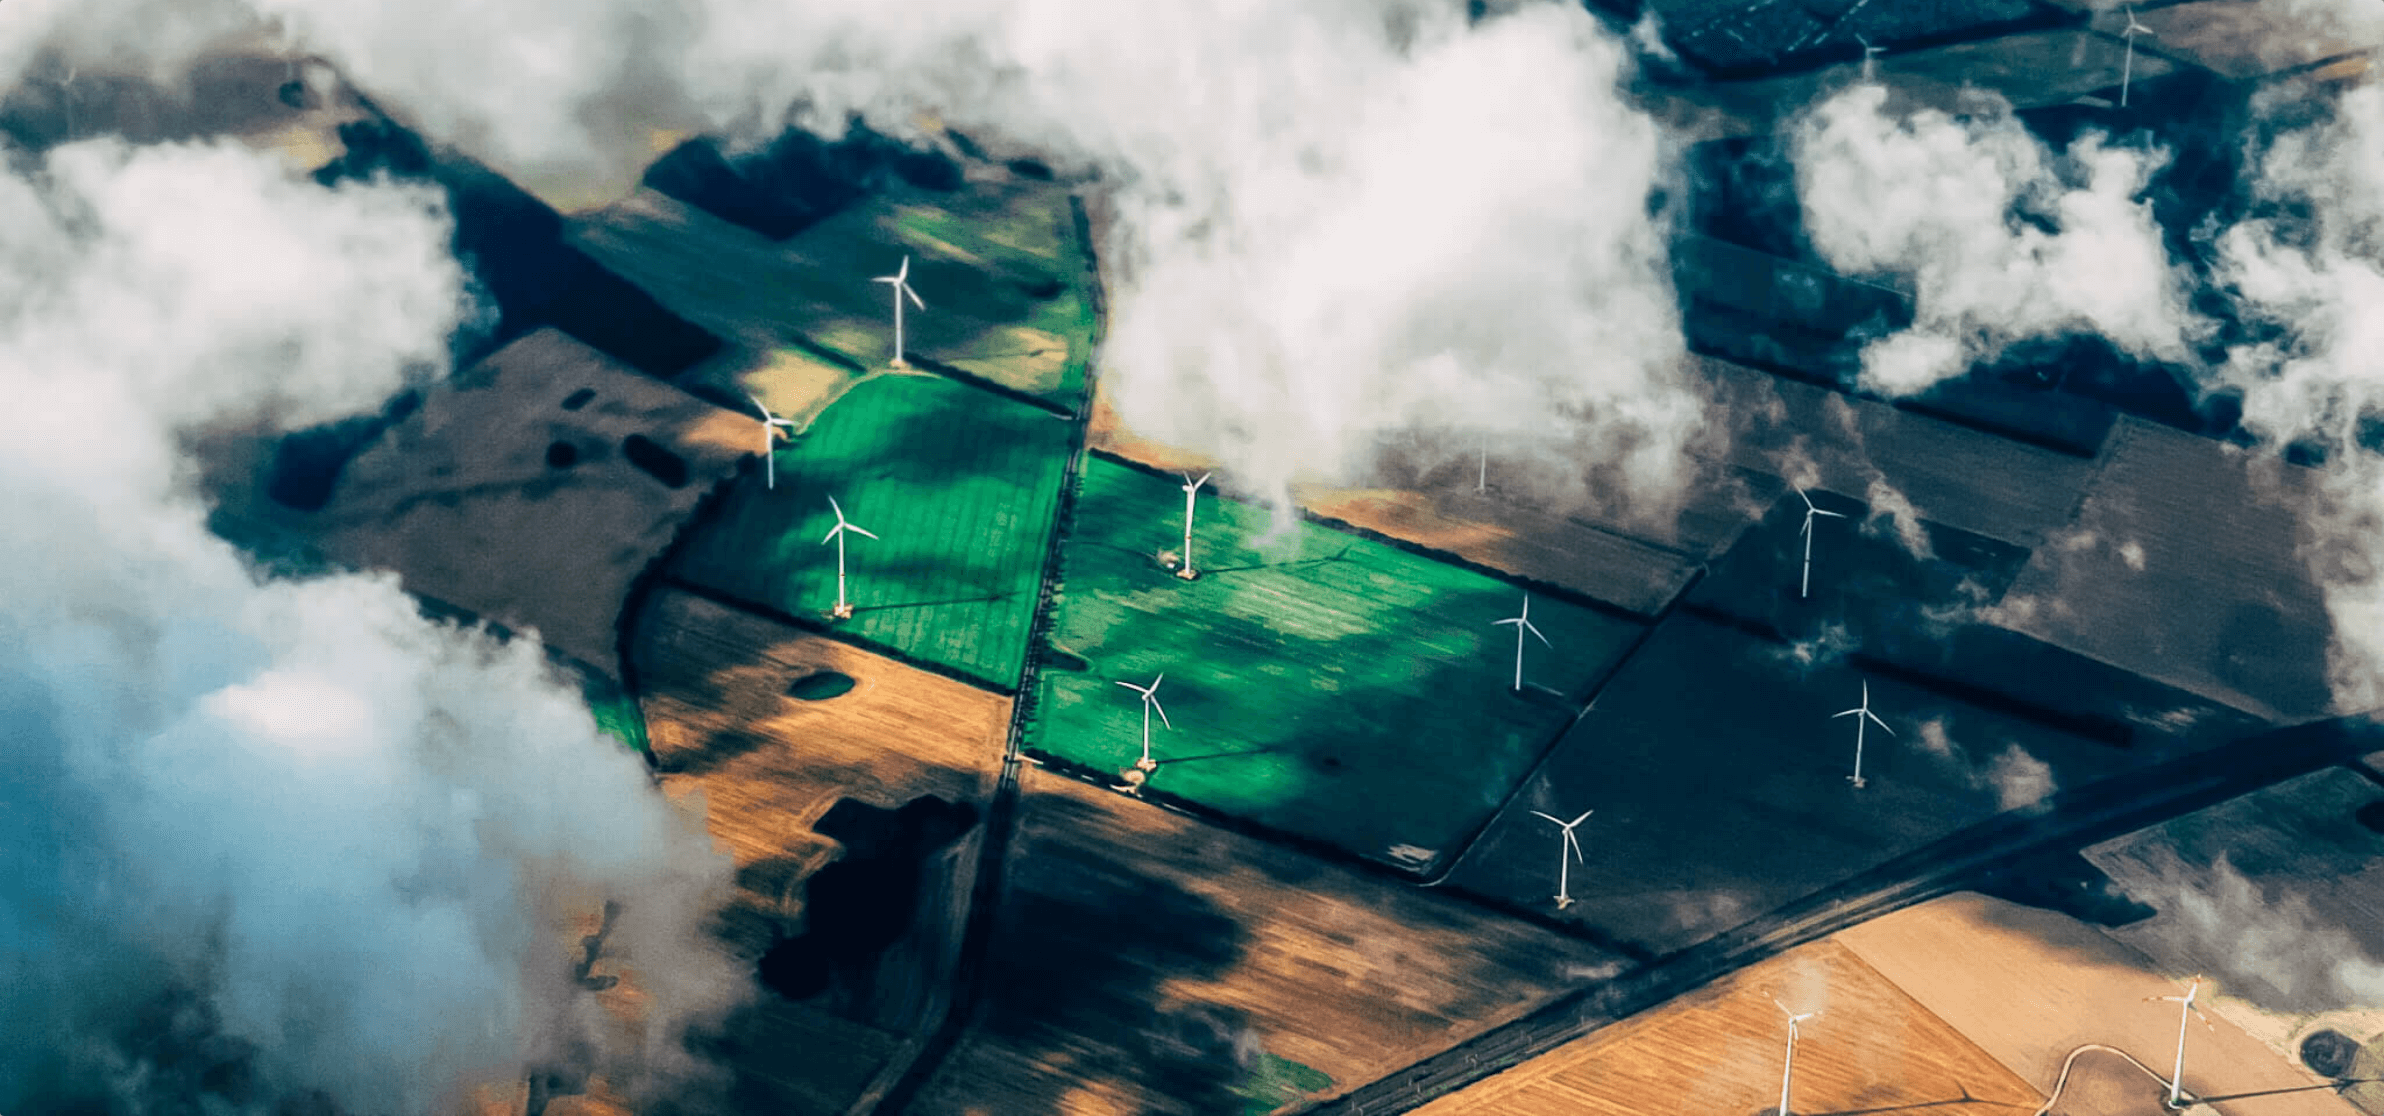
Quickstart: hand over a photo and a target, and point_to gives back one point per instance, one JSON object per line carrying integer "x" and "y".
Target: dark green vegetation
{"x": 616, "y": 710}
{"x": 959, "y": 485}
{"x": 1332, "y": 687}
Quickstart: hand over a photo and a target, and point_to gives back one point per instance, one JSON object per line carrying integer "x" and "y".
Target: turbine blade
{"x": 858, "y": 531}
{"x": 1574, "y": 843}
{"x": 1154, "y": 699}
{"x": 1534, "y": 629}
{"x": 1131, "y": 686}
{"x": 906, "y": 289}
{"x": 758, "y": 405}
{"x": 1876, "y": 721}
{"x": 885, "y": 279}
{"x": 1848, "y": 713}
{"x": 837, "y": 508}
{"x": 1584, "y": 817}
{"x": 1550, "y": 817}
{"x": 1155, "y": 681}
{"x": 1800, "y": 494}
{"x": 831, "y": 535}
{"x": 1510, "y": 620}
{"x": 1830, "y": 514}
{"x": 904, "y": 272}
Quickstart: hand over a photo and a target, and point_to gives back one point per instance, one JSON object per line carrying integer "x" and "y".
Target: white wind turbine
{"x": 1788, "y": 1068}
{"x": 836, "y": 534}
{"x": 1191, "y": 487}
{"x": 1571, "y": 844}
{"x": 1522, "y": 624}
{"x": 2186, "y": 1009}
{"x": 1804, "y": 587}
{"x": 1150, "y": 701}
{"x": 901, "y": 281}
{"x": 1870, "y": 53}
{"x": 773, "y": 428}
{"x": 66, "y": 98}
{"x": 1861, "y": 713}
{"x": 2127, "y": 68}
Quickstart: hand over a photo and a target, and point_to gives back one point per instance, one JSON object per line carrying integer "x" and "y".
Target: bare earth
{"x": 2032, "y": 985}
{"x": 769, "y": 766}
{"x": 1718, "y": 1052}
{"x": 461, "y": 500}
{"x": 1135, "y": 947}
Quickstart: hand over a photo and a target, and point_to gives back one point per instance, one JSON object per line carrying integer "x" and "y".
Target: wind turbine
{"x": 773, "y": 428}
{"x": 1572, "y": 844}
{"x": 1869, "y": 53}
{"x": 1788, "y": 1068}
{"x": 66, "y": 98}
{"x": 901, "y": 281}
{"x": 2186, "y": 1009}
{"x": 1190, "y": 487}
{"x": 837, "y": 533}
{"x": 2127, "y": 68}
{"x": 1481, "y": 480}
{"x": 1522, "y": 624}
{"x": 1861, "y": 713}
{"x": 1804, "y": 587}
{"x": 1150, "y": 701}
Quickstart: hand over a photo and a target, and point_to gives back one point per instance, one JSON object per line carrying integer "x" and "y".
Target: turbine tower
{"x": 1570, "y": 844}
{"x": 1150, "y": 701}
{"x": 2127, "y": 68}
{"x": 2186, "y": 1010}
{"x": 66, "y": 99}
{"x": 1804, "y": 588}
{"x": 1788, "y": 1068}
{"x": 1191, "y": 487}
{"x": 844, "y": 610}
{"x": 773, "y": 428}
{"x": 1861, "y": 713}
{"x": 901, "y": 282}
{"x": 1522, "y": 624}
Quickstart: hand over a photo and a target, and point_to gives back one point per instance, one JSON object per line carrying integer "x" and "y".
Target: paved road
{"x": 2069, "y": 821}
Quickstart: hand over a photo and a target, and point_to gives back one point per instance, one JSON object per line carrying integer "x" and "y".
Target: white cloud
{"x": 345, "y": 832}
{"x": 1939, "y": 198}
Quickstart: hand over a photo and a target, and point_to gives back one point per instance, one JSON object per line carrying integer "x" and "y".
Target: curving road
{"x": 2068, "y": 821}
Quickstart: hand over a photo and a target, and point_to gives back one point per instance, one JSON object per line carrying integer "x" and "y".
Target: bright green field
{"x": 616, "y": 712}
{"x": 959, "y": 484}
{"x": 1336, "y": 688}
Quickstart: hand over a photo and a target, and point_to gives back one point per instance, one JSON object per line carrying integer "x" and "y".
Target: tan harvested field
{"x": 2029, "y": 986}
{"x": 1717, "y": 1052}
{"x": 1134, "y": 948}
{"x": 769, "y": 767}
{"x": 2185, "y": 567}
{"x": 460, "y": 498}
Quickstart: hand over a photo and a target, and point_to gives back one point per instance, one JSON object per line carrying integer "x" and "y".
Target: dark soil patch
{"x": 820, "y": 686}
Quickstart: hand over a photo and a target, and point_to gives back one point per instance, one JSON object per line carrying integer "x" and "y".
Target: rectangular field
{"x": 1145, "y": 962}
{"x": 960, "y": 486}
{"x": 999, "y": 265}
{"x": 1720, "y": 778}
{"x": 1720, "y": 1050}
{"x": 772, "y": 759}
{"x": 1320, "y": 684}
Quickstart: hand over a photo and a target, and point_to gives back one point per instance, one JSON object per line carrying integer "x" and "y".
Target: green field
{"x": 959, "y": 484}
{"x": 616, "y": 711}
{"x": 1332, "y": 687}
{"x": 1000, "y": 267}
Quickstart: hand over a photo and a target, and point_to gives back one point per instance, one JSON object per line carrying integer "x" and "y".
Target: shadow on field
{"x": 798, "y": 180}
{"x": 1086, "y": 938}
{"x": 718, "y": 750}
{"x": 857, "y": 907}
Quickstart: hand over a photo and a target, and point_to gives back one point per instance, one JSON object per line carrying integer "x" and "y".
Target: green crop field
{"x": 1325, "y": 685}
{"x": 1000, "y": 267}
{"x": 616, "y": 711}
{"x": 959, "y": 484}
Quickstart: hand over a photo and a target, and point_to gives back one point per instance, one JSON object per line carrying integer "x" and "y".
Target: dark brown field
{"x": 463, "y": 498}
{"x": 770, "y": 766}
{"x": 1718, "y": 1051}
{"x": 1141, "y": 960}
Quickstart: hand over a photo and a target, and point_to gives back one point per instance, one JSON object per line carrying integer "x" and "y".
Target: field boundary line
{"x": 1574, "y": 597}
{"x": 967, "y": 999}
{"x": 824, "y": 630}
